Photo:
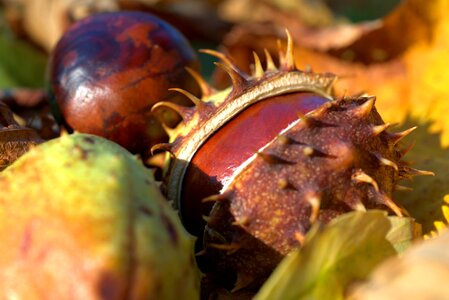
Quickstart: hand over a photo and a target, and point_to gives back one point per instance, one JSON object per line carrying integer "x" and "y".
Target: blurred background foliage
{"x": 21, "y": 63}
{"x": 27, "y": 28}
{"x": 361, "y": 10}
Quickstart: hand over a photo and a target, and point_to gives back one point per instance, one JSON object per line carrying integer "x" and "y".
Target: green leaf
{"x": 425, "y": 201}
{"x": 344, "y": 251}
{"x": 403, "y": 232}
{"x": 20, "y": 64}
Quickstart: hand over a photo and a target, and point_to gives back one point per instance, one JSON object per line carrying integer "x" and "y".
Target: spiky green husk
{"x": 80, "y": 217}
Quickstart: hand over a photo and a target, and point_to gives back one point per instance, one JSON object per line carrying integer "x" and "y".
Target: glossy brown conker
{"x": 108, "y": 70}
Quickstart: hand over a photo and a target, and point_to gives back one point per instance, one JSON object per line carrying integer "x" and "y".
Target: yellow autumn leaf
{"x": 404, "y": 62}
{"x": 411, "y": 83}
{"x": 428, "y": 61}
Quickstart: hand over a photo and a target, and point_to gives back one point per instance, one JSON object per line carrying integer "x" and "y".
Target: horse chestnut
{"x": 273, "y": 154}
{"x": 108, "y": 70}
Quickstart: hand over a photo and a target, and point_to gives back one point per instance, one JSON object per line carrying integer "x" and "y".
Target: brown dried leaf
{"x": 44, "y": 21}
{"x": 15, "y": 140}
{"x": 304, "y": 13}
{"x": 31, "y": 107}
